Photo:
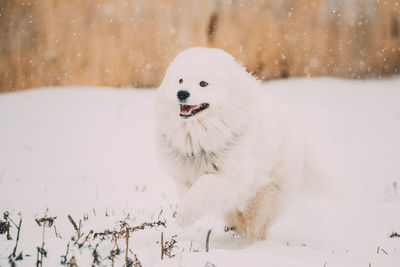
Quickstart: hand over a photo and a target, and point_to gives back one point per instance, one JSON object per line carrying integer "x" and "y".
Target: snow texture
{"x": 90, "y": 153}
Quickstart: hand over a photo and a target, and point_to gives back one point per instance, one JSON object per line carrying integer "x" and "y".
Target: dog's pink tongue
{"x": 186, "y": 109}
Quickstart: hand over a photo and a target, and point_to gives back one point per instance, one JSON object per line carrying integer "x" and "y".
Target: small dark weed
{"x": 167, "y": 247}
{"x": 64, "y": 257}
{"x": 13, "y": 257}
{"x": 96, "y": 256}
{"x": 41, "y": 252}
{"x": 394, "y": 234}
{"x": 5, "y": 228}
{"x": 133, "y": 263}
{"x": 72, "y": 262}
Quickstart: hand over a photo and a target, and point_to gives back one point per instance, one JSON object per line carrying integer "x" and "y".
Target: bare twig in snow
{"x": 64, "y": 257}
{"x": 18, "y": 232}
{"x": 40, "y": 250}
{"x": 12, "y": 258}
{"x": 208, "y": 240}
{"x": 72, "y": 222}
{"x": 76, "y": 228}
{"x": 79, "y": 229}
{"x": 127, "y": 246}
{"x": 86, "y": 238}
{"x": 162, "y": 245}
{"x": 57, "y": 234}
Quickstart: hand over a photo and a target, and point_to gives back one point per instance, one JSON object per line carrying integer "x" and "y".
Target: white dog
{"x": 230, "y": 148}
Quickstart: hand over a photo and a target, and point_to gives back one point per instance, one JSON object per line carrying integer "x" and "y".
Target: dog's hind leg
{"x": 253, "y": 222}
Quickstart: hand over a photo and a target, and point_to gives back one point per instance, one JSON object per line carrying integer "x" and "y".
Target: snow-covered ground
{"x": 90, "y": 153}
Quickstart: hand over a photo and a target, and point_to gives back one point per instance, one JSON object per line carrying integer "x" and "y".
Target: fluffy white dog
{"x": 230, "y": 148}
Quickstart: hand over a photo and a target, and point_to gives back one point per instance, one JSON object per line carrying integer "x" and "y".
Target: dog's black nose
{"x": 183, "y": 95}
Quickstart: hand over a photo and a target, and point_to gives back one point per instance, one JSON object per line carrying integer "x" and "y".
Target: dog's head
{"x": 200, "y": 82}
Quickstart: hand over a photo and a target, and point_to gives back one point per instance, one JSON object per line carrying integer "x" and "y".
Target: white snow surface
{"x": 90, "y": 152}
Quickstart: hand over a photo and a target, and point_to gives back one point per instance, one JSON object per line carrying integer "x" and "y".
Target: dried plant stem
{"x": 64, "y": 257}
{"x": 57, "y": 234}
{"x": 136, "y": 262}
{"x": 16, "y": 242}
{"x": 72, "y": 222}
{"x": 8, "y": 231}
{"x": 86, "y": 238}
{"x": 127, "y": 246}
{"x": 112, "y": 260}
{"x": 79, "y": 229}
{"x": 43, "y": 233}
{"x": 162, "y": 245}
{"x": 208, "y": 240}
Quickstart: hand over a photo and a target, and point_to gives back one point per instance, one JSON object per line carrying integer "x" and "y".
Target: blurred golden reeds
{"x": 130, "y": 43}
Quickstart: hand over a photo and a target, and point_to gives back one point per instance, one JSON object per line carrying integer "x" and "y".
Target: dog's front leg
{"x": 210, "y": 193}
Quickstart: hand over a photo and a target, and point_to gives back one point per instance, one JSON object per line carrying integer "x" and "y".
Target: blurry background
{"x": 131, "y": 42}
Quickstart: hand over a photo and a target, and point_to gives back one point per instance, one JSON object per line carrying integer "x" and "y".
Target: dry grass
{"x": 91, "y": 242}
{"x": 130, "y": 43}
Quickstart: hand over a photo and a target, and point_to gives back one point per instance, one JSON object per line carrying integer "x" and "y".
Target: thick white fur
{"x": 240, "y": 156}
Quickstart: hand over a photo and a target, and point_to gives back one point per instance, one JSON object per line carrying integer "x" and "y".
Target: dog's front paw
{"x": 186, "y": 215}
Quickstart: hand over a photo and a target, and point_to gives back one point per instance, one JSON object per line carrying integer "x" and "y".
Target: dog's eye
{"x": 180, "y": 81}
{"x": 203, "y": 84}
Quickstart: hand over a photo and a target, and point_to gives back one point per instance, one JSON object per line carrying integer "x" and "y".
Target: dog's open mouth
{"x": 187, "y": 111}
